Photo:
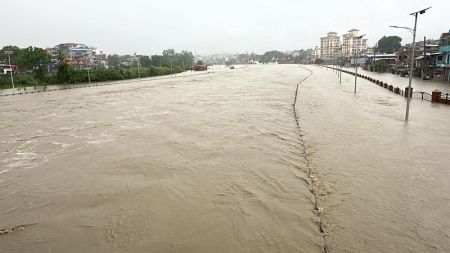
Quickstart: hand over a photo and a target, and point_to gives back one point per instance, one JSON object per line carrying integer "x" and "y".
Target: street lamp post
{"x": 139, "y": 70}
{"x": 409, "y": 95}
{"x": 340, "y": 66}
{"x": 171, "y": 65}
{"x": 356, "y": 60}
{"x": 374, "y": 55}
{"x": 138, "y": 59}
{"x": 9, "y": 53}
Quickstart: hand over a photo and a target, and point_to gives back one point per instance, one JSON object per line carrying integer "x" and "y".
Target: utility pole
{"x": 340, "y": 66}
{"x": 424, "y": 55}
{"x": 356, "y": 60}
{"x": 408, "y": 98}
{"x": 374, "y": 55}
{"x": 171, "y": 65}
{"x": 89, "y": 76}
{"x": 409, "y": 94}
{"x": 139, "y": 68}
{"x": 9, "y": 53}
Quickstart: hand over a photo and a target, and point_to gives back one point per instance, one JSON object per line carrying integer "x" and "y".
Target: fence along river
{"x": 215, "y": 163}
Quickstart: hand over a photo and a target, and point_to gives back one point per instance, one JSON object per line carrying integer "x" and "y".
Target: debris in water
{"x": 10, "y": 230}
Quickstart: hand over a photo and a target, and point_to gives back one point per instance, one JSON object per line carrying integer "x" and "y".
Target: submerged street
{"x": 217, "y": 163}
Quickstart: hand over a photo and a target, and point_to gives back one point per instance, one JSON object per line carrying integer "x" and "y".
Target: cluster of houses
{"x": 78, "y": 55}
{"x": 431, "y": 59}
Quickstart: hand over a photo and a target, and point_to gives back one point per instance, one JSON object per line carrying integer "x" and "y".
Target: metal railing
{"x": 422, "y": 95}
{"x": 445, "y": 98}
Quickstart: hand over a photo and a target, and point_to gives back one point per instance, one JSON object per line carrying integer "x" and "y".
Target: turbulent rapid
{"x": 217, "y": 163}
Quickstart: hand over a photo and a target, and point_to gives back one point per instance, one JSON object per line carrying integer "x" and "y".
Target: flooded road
{"x": 386, "y": 182}
{"x": 216, "y": 163}
{"x": 207, "y": 163}
{"x": 418, "y": 84}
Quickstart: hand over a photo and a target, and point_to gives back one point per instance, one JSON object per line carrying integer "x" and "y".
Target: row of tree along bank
{"x": 38, "y": 67}
{"x": 74, "y": 76}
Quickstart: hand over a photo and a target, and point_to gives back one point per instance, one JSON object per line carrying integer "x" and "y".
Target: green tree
{"x": 188, "y": 59}
{"x": 157, "y": 60}
{"x": 273, "y": 56}
{"x": 4, "y": 57}
{"x": 113, "y": 61}
{"x": 168, "y": 57}
{"x": 145, "y": 61}
{"x": 33, "y": 58}
{"x": 380, "y": 66}
{"x": 63, "y": 74}
{"x": 389, "y": 44}
{"x": 36, "y": 59}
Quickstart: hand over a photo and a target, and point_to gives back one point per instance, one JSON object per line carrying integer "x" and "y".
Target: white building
{"x": 352, "y": 45}
{"x": 330, "y": 46}
{"x": 316, "y": 52}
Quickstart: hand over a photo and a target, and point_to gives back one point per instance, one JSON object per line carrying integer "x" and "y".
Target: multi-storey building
{"x": 352, "y": 45}
{"x": 330, "y": 46}
{"x": 78, "y": 55}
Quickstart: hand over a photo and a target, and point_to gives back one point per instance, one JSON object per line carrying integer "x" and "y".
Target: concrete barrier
{"x": 436, "y": 96}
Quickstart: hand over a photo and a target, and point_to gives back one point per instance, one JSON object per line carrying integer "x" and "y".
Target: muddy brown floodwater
{"x": 217, "y": 163}
{"x": 196, "y": 164}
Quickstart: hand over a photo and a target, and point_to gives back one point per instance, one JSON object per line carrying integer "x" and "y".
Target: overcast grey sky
{"x": 209, "y": 26}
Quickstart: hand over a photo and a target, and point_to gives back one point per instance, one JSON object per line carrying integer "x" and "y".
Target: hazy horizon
{"x": 204, "y": 27}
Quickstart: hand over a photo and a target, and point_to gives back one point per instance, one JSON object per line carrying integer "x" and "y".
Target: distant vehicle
{"x": 200, "y": 68}
{"x": 6, "y": 69}
{"x": 231, "y": 67}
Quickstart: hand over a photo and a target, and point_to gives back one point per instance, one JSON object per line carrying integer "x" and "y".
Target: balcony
{"x": 444, "y": 49}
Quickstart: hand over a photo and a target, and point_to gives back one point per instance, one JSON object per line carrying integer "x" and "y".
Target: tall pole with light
{"x": 413, "y": 31}
{"x": 139, "y": 66}
{"x": 171, "y": 65}
{"x": 139, "y": 69}
{"x": 356, "y": 59}
{"x": 9, "y": 53}
{"x": 374, "y": 56}
{"x": 340, "y": 65}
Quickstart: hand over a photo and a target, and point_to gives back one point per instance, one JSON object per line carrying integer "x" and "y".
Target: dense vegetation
{"x": 81, "y": 76}
{"x": 35, "y": 61}
{"x": 387, "y": 45}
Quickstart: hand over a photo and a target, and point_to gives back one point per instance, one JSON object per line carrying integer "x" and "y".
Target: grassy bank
{"x": 81, "y": 76}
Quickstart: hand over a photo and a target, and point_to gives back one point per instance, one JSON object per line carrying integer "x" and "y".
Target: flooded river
{"x": 216, "y": 163}
{"x": 196, "y": 164}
